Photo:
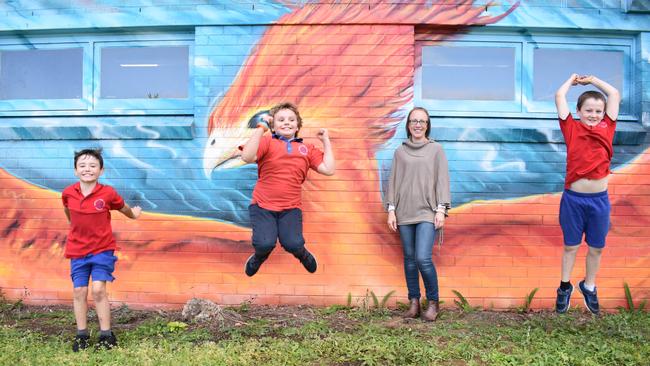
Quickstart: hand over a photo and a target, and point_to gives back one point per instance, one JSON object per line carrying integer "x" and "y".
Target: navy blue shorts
{"x": 585, "y": 213}
{"x": 100, "y": 266}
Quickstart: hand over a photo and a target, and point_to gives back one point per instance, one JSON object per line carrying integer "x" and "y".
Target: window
{"x": 451, "y": 73}
{"x": 502, "y": 74}
{"x": 41, "y": 74}
{"x": 132, "y": 74}
{"x": 144, "y": 72}
{"x": 53, "y": 75}
{"x": 453, "y": 77}
{"x": 553, "y": 63}
{"x": 97, "y": 74}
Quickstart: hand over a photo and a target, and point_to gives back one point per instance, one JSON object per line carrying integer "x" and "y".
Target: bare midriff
{"x": 586, "y": 185}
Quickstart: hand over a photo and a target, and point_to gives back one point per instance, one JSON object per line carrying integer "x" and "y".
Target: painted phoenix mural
{"x": 349, "y": 69}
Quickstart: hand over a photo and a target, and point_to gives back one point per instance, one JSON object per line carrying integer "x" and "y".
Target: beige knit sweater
{"x": 419, "y": 182}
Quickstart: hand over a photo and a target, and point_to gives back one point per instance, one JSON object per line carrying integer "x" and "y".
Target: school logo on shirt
{"x": 303, "y": 150}
{"x": 602, "y": 124}
{"x": 99, "y": 204}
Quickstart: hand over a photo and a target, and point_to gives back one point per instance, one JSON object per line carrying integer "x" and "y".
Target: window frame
{"x": 159, "y": 104}
{"x": 525, "y": 106}
{"x": 91, "y": 104}
{"x": 586, "y": 44}
{"x": 27, "y": 105}
{"x": 478, "y": 106}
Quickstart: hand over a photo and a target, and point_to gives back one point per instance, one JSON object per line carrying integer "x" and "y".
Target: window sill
{"x": 97, "y": 128}
{"x": 519, "y": 130}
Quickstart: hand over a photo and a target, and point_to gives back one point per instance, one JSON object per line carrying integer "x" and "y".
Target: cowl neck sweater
{"x": 419, "y": 181}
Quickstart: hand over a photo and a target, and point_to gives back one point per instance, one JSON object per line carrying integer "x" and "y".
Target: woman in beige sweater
{"x": 418, "y": 199}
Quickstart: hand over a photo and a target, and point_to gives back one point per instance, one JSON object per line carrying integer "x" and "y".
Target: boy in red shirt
{"x": 585, "y": 207}
{"x": 283, "y": 161}
{"x": 90, "y": 243}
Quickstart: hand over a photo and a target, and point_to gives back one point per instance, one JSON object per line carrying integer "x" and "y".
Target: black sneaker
{"x": 80, "y": 343}
{"x": 253, "y": 265}
{"x": 591, "y": 298}
{"x": 106, "y": 342}
{"x": 309, "y": 262}
{"x": 563, "y": 300}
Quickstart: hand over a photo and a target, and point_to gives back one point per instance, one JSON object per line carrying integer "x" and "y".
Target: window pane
{"x": 475, "y": 73}
{"x": 144, "y": 72}
{"x": 552, "y": 66}
{"x": 41, "y": 74}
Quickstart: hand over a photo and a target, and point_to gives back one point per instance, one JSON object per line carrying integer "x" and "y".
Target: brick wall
{"x": 355, "y": 79}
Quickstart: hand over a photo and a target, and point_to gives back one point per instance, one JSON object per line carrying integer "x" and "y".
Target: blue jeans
{"x": 417, "y": 241}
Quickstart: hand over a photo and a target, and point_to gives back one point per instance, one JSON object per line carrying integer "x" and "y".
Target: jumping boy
{"x": 585, "y": 207}
{"x": 283, "y": 161}
{"x": 90, "y": 244}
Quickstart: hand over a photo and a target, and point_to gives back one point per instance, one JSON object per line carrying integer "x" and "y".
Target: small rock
{"x": 201, "y": 310}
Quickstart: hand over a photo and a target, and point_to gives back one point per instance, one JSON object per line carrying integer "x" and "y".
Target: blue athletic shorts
{"x": 586, "y": 213}
{"x": 100, "y": 266}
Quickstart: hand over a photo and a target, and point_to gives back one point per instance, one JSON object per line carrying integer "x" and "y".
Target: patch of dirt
{"x": 57, "y": 320}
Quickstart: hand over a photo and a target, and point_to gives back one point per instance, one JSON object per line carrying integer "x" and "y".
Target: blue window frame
{"x": 64, "y": 75}
{"x": 453, "y": 78}
{"x": 155, "y": 74}
{"x": 38, "y": 76}
{"x": 538, "y": 64}
{"x": 553, "y": 62}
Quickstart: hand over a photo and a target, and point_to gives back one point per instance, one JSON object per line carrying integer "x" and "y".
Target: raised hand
{"x": 585, "y": 79}
{"x": 323, "y": 135}
{"x": 265, "y": 122}
{"x": 136, "y": 211}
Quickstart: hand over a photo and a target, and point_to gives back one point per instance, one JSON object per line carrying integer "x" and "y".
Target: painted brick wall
{"x": 494, "y": 252}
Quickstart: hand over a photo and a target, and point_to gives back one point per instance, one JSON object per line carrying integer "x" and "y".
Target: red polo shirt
{"x": 90, "y": 219}
{"x": 281, "y": 173}
{"x": 589, "y": 148}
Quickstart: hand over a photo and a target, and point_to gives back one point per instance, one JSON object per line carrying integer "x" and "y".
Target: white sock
{"x": 589, "y": 288}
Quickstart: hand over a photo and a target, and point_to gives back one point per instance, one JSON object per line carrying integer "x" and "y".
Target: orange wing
{"x": 34, "y": 230}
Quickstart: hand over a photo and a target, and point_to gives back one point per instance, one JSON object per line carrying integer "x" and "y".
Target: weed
{"x": 370, "y": 305}
{"x": 528, "y": 300}
{"x": 463, "y": 304}
{"x": 9, "y": 307}
{"x": 377, "y": 304}
{"x": 364, "y": 302}
{"x": 374, "y": 299}
{"x": 402, "y": 306}
{"x": 385, "y": 299}
{"x": 335, "y": 308}
{"x": 630, "y": 301}
{"x": 174, "y": 327}
{"x": 244, "y": 306}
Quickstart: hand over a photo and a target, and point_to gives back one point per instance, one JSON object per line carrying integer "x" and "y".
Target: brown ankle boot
{"x": 431, "y": 314}
{"x": 414, "y": 309}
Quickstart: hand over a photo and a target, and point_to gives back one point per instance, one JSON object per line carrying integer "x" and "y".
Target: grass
{"x": 333, "y": 336}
